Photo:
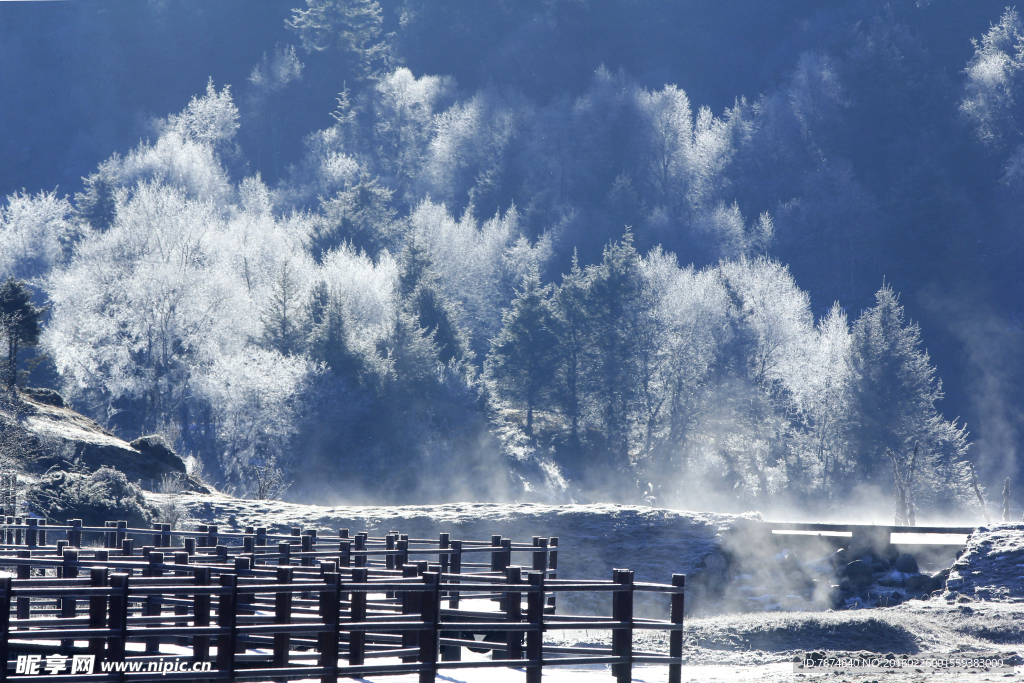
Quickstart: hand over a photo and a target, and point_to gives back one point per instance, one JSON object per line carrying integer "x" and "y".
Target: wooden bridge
{"x": 252, "y": 605}
{"x": 939, "y": 544}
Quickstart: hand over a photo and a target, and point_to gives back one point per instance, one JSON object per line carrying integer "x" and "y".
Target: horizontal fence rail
{"x": 252, "y": 605}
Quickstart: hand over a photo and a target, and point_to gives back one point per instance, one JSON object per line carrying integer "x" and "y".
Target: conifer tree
{"x": 569, "y": 304}
{"x": 895, "y": 390}
{"x": 419, "y": 288}
{"x": 523, "y": 355}
{"x": 614, "y": 309}
{"x": 329, "y": 340}
{"x": 20, "y": 322}
{"x": 282, "y": 321}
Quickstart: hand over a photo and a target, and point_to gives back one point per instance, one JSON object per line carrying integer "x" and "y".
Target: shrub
{"x": 105, "y": 494}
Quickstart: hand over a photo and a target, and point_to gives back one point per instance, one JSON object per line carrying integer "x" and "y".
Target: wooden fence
{"x": 252, "y": 605}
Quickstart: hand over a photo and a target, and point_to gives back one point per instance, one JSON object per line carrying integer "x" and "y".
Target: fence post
{"x": 190, "y": 546}
{"x": 443, "y": 544}
{"x": 227, "y": 618}
{"x": 42, "y": 533}
{"x": 261, "y": 540}
{"x": 24, "y": 605}
{"x": 118, "y": 617}
{"x": 284, "y": 554}
{"x": 540, "y": 556}
{"x": 360, "y": 559}
{"x": 165, "y": 535}
{"x": 552, "y": 567}
{"x": 675, "y": 638}
{"x": 5, "y": 622}
{"x": 201, "y": 540}
{"x": 513, "y": 615}
{"x": 357, "y": 639}
{"x": 306, "y": 547}
{"x": 330, "y": 605}
{"x": 181, "y": 558}
{"x": 430, "y": 603}
{"x": 75, "y": 535}
{"x": 158, "y": 535}
{"x": 121, "y": 532}
{"x": 32, "y": 533}
{"x": 535, "y": 636}
{"x": 68, "y": 605}
{"x": 243, "y": 600}
{"x": 496, "y": 554}
{"x": 9, "y": 521}
{"x": 345, "y": 548}
{"x": 201, "y": 615}
{"x": 97, "y": 608}
{"x": 389, "y": 545}
{"x": 153, "y": 606}
{"x": 282, "y": 615}
{"x": 410, "y": 605}
{"x": 456, "y": 568}
{"x": 212, "y": 539}
{"x": 128, "y": 547}
{"x": 622, "y": 638}
{"x": 403, "y": 553}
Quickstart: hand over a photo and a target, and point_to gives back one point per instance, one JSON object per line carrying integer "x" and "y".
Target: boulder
{"x": 45, "y": 396}
{"x": 859, "y": 573}
{"x": 918, "y": 582}
{"x": 906, "y": 564}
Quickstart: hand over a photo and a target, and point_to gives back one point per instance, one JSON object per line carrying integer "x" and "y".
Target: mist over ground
{"x": 710, "y": 258}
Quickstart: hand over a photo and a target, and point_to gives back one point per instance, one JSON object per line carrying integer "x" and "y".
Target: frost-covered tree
{"x": 478, "y": 264}
{"x": 349, "y": 28}
{"x": 895, "y": 391}
{"x": 571, "y": 327}
{"x": 284, "y": 326}
{"x": 616, "y": 308}
{"x": 20, "y": 324}
{"x": 362, "y": 214}
{"x": 256, "y": 399}
{"x": 522, "y": 359}
{"x": 827, "y": 400}
{"x": 994, "y": 81}
{"x": 37, "y": 232}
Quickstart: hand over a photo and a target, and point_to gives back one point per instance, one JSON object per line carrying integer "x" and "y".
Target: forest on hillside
{"x": 411, "y": 250}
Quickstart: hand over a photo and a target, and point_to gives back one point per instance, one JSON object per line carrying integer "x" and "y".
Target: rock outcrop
{"x": 59, "y": 436}
{"x": 990, "y": 567}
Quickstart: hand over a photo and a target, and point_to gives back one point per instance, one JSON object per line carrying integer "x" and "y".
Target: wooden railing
{"x": 313, "y": 606}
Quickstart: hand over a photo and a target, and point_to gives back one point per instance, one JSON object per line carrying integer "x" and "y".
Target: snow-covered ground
{"x": 982, "y": 613}
{"x": 593, "y": 539}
